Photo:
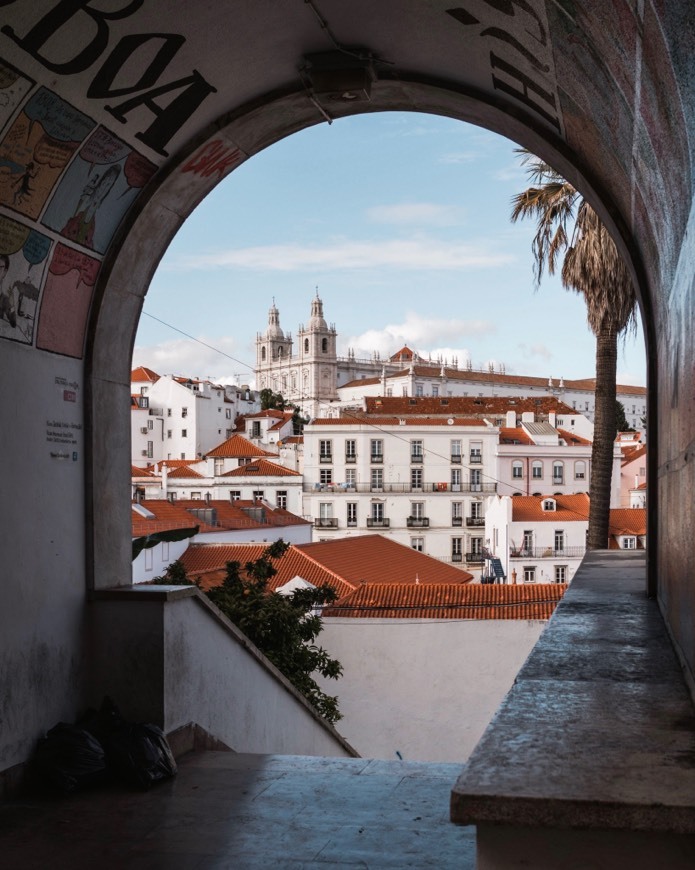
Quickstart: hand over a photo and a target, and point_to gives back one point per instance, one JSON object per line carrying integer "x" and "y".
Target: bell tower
{"x": 318, "y": 360}
{"x": 273, "y": 351}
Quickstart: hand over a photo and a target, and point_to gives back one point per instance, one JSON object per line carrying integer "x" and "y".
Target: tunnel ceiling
{"x": 105, "y": 104}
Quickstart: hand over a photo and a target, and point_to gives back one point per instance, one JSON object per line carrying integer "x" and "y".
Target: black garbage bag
{"x": 69, "y": 758}
{"x": 140, "y": 755}
{"x": 136, "y": 754}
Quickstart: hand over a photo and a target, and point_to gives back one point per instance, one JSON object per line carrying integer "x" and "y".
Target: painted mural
{"x": 67, "y": 296}
{"x": 13, "y": 89}
{"x": 96, "y": 191}
{"x": 23, "y": 257}
{"x": 36, "y": 149}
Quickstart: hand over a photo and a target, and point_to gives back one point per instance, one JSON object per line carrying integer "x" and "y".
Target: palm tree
{"x": 568, "y": 227}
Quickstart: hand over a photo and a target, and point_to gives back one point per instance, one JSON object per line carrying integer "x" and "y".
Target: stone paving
{"x": 246, "y": 812}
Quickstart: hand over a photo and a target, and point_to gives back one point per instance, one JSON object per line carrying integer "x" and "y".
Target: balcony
{"x": 400, "y": 487}
{"x": 377, "y": 458}
{"x": 326, "y": 523}
{"x": 456, "y": 458}
{"x": 416, "y": 457}
{"x": 475, "y": 558}
{"x": 350, "y": 458}
{"x": 418, "y": 522}
{"x": 546, "y": 552}
{"x": 457, "y": 521}
{"x": 374, "y": 523}
{"x": 475, "y": 459}
{"x": 558, "y": 481}
{"x": 326, "y": 458}
{"x": 457, "y": 557}
{"x": 475, "y": 522}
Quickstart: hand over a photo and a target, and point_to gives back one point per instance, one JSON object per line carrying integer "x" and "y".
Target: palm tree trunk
{"x": 604, "y": 437}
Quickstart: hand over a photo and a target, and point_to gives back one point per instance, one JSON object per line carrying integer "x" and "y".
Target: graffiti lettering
{"x": 527, "y": 84}
{"x": 214, "y": 158}
{"x": 67, "y": 16}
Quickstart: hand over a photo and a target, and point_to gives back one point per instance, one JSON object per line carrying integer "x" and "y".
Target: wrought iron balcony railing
{"x": 326, "y": 523}
{"x": 475, "y": 521}
{"x": 374, "y": 523}
{"x": 546, "y": 552}
{"x": 418, "y": 522}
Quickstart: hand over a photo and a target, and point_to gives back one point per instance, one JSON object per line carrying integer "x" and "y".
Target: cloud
{"x": 401, "y": 254}
{"x": 416, "y": 213}
{"x": 513, "y": 172}
{"x": 538, "y": 351}
{"x": 186, "y": 357}
{"x": 457, "y": 157}
{"x": 427, "y": 336}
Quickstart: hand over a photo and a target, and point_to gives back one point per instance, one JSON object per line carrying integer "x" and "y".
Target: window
{"x": 256, "y": 429}
{"x": 144, "y": 402}
{"x": 477, "y": 546}
{"x": 476, "y": 451}
{"x": 537, "y": 470}
{"x": 529, "y": 574}
{"x": 168, "y": 433}
{"x": 325, "y": 476}
{"x": 561, "y": 573}
{"x": 195, "y": 496}
{"x": 351, "y": 450}
{"x": 219, "y": 467}
{"x": 456, "y": 479}
{"x": 234, "y": 494}
{"x": 559, "y": 542}
{"x": 419, "y": 390}
{"x": 306, "y": 345}
{"x": 580, "y": 470}
{"x": 150, "y": 425}
{"x": 456, "y": 513}
{"x": 389, "y": 391}
{"x": 417, "y": 544}
{"x": 456, "y": 450}
{"x": 456, "y": 549}
{"x": 558, "y": 472}
{"x": 148, "y": 559}
{"x": 184, "y": 412}
{"x": 352, "y": 513}
{"x": 517, "y": 469}
{"x": 281, "y": 499}
{"x": 435, "y": 390}
{"x": 416, "y": 478}
{"x": 477, "y": 510}
{"x": 350, "y": 477}
{"x": 377, "y": 478}
{"x": 416, "y": 453}
{"x": 184, "y": 433}
{"x": 324, "y": 345}
{"x": 183, "y": 456}
{"x": 476, "y": 480}
{"x": 404, "y": 391}
{"x": 378, "y": 511}
{"x": 528, "y": 541}
{"x": 325, "y": 451}
{"x": 326, "y": 510}
{"x": 549, "y": 504}
{"x": 629, "y": 542}
{"x": 150, "y": 449}
{"x": 377, "y": 450}
{"x": 168, "y": 412}
{"x": 258, "y": 495}
{"x": 417, "y": 510}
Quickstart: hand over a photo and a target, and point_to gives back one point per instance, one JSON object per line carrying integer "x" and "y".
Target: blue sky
{"x": 402, "y": 221}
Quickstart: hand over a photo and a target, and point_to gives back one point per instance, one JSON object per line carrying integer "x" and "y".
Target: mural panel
{"x": 13, "y": 88}
{"x": 23, "y": 258}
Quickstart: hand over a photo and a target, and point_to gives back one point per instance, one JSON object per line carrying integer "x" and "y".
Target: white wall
{"x": 427, "y": 688}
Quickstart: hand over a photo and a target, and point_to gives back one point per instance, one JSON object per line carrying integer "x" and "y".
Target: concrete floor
{"x": 241, "y": 812}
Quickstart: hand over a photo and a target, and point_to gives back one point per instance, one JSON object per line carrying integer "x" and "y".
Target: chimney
{"x": 511, "y": 419}
{"x": 165, "y": 472}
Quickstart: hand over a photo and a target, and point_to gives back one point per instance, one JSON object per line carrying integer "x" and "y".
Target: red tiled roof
{"x": 238, "y": 447}
{"x": 229, "y": 515}
{"x": 262, "y": 468}
{"x": 514, "y": 436}
{"x": 141, "y": 472}
{"x": 143, "y": 374}
{"x": 184, "y": 471}
{"x": 404, "y": 353}
{"x": 448, "y": 601}
{"x": 628, "y": 521}
{"x": 480, "y": 405}
{"x": 635, "y": 453}
{"x": 374, "y": 559}
{"x": 569, "y": 508}
{"x": 572, "y": 439}
{"x": 343, "y": 563}
{"x": 292, "y": 439}
{"x": 171, "y": 463}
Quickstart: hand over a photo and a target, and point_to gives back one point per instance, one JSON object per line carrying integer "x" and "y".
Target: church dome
{"x": 273, "y": 331}
{"x": 317, "y": 321}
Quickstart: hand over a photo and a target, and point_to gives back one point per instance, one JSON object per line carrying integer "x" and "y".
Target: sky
{"x": 401, "y": 221}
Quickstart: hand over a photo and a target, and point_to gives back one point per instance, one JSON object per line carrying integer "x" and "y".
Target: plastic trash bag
{"x": 70, "y": 758}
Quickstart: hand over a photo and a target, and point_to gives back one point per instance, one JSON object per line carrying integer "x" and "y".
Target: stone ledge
{"x": 598, "y": 731}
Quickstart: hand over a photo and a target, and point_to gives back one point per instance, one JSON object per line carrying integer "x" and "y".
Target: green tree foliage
{"x": 175, "y": 575}
{"x": 283, "y": 627}
{"x": 621, "y": 424}
{"x": 269, "y": 399}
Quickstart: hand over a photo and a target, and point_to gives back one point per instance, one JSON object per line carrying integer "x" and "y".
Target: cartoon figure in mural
{"x": 8, "y": 309}
{"x": 22, "y": 185}
{"x": 80, "y": 227}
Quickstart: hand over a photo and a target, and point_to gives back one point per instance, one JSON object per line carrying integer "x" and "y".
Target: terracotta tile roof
{"x": 635, "y": 453}
{"x": 572, "y": 439}
{"x": 404, "y": 353}
{"x": 628, "y": 521}
{"x": 280, "y": 423}
{"x": 373, "y": 420}
{"x": 184, "y": 471}
{"x": 262, "y": 468}
{"x": 343, "y": 563}
{"x": 230, "y": 516}
{"x": 292, "y": 439}
{"x": 363, "y": 382}
{"x": 374, "y": 559}
{"x": 514, "y": 436}
{"x": 171, "y": 463}
{"x": 238, "y": 447}
{"x": 141, "y": 472}
{"x": 259, "y": 415}
{"x": 569, "y": 508}
{"x": 143, "y": 374}
{"x": 448, "y": 601}
{"x": 451, "y": 405}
